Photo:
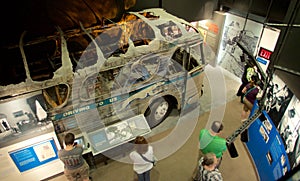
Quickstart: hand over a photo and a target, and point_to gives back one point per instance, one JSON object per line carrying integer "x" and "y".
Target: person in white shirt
{"x": 142, "y": 158}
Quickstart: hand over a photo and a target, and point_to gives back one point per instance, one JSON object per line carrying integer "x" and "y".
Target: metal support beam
{"x": 243, "y": 127}
{"x": 263, "y": 75}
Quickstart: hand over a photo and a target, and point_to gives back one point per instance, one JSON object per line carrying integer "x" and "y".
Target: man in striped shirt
{"x": 208, "y": 170}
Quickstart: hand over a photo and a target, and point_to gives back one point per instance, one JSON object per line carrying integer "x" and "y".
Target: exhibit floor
{"x": 179, "y": 166}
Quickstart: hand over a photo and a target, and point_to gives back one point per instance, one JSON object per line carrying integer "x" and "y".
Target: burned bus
{"x": 91, "y": 78}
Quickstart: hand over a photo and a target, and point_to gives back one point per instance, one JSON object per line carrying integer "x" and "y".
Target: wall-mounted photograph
{"x": 289, "y": 129}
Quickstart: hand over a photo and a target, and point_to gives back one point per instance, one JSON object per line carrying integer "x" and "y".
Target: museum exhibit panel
{"x": 110, "y": 76}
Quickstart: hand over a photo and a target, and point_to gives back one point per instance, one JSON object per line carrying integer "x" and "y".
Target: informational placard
{"x": 267, "y": 148}
{"x": 34, "y": 155}
{"x": 117, "y": 134}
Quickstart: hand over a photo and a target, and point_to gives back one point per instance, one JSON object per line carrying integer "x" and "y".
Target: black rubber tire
{"x": 158, "y": 111}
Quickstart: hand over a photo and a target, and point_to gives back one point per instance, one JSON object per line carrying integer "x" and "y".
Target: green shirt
{"x": 209, "y": 143}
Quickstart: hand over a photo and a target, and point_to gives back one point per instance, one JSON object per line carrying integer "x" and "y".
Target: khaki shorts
{"x": 82, "y": 173}
{"x": 247, "y": 105}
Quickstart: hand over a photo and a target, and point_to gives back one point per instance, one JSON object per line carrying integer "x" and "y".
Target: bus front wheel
{"x": 157, "y": 112}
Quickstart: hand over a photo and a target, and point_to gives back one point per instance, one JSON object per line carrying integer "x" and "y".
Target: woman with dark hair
{"x": 250, "y": 95}
{"x": 249, "y": 71}
{"x": 143, "y": 158}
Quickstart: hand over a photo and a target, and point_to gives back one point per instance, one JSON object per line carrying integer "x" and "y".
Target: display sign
{"x": 34, "y": 155}
{"x": 117, "y": 134}
{"x": 262, "y": 61}
{"x": 267, "y": 148}
{"x": 264, "y": 53}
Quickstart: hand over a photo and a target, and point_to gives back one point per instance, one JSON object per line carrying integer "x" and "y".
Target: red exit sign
{"x": 264, "y": 53}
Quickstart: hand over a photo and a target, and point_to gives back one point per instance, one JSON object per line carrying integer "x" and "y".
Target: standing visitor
{"x": 210, "y": 142}
{"x": 208, "y": 170}
{"x": 75, "y": 167}
{"x": 250, "y": 95}
{"x": 249, "y": 71}
{"x": 143, "y": 158}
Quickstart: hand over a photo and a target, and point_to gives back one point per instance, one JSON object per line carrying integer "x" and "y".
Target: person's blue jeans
{"x": 144, "y": 176}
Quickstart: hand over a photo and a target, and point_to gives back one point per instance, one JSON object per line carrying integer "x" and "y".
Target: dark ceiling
{"x": 40, "y": 17}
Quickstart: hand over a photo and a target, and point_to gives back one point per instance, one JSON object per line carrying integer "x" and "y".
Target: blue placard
{"x": 266, "y": 148}
{"x": 34, "y": 155}
{"x": 261, "y": 60}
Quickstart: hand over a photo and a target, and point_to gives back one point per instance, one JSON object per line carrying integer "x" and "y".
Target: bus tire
{"x": 158, "y": 111}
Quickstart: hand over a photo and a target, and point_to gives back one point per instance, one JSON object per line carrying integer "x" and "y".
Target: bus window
{"x": 76, "y": 46}
{"x": 189, "y": 28}
{"x": 112, "y": 42}
{"x": 149, "y": 15}
{"x": 132, "y": 73}
{"x": 170, "y": 30}
{"x": 140, "y": 72}
{"x": 56, "y": 96}
{"x": 38, "y": 57}
{"x": 191, "y": 58}
{"x": 181, "y": 57}
{"x": 141, "y": 34}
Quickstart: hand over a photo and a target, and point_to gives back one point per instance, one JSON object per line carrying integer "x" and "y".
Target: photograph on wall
{"x": 278, "y": 98}
{"x": 264, "y": 134}
{"x": 229, "y": 53}
{"x": 238, "y": 30}
{"x": 267, "y": 125}
{"x": 250, "y": 36}
{"x": 289, "y": 129}
{"x": 23, "y": 117}
{"x": 269, "y": 158}
{"x": 282, "y": 160}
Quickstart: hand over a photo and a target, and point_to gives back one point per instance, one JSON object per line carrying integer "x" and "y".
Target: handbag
{"x": 248, "y": 91}
{"x": 146, "y": 159}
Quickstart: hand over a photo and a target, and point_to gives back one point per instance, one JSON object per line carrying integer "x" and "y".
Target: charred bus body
{"x": 148, "y": 63}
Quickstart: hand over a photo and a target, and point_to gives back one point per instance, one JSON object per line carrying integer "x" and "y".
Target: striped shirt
{"x": 207, "y": 175}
